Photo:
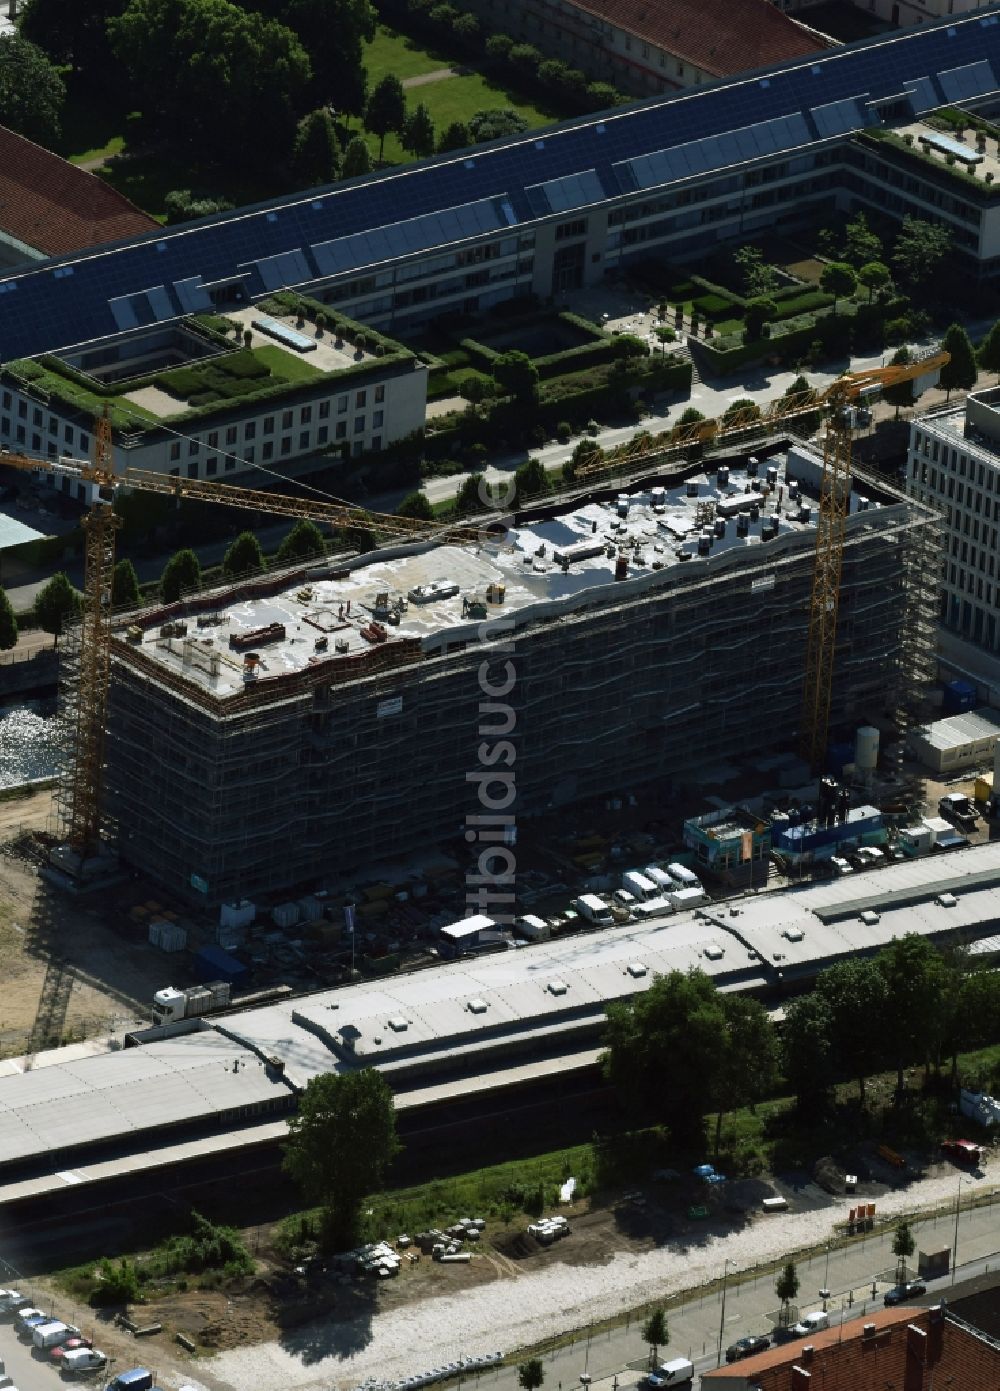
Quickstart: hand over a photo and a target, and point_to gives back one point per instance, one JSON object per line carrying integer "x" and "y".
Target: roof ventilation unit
{"x": 398, "y": 1025}
{"x": 636, "y": 969}
{"x": 477, "y": 1006}
{"x": 557, "y": 987}
{"x": 793, "y": 934}
{"x": 946, "y": 900}
{"x": 870, "y": 918}
{"x": 714, "y": 952}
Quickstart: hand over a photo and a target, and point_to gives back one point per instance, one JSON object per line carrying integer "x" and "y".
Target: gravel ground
{"x": 513, "y": 1313}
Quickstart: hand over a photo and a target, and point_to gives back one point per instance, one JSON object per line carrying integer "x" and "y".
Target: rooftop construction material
{"x": 346, "y": 736}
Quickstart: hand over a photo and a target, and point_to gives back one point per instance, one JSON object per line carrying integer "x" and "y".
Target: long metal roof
{"x": 360, "y": 224}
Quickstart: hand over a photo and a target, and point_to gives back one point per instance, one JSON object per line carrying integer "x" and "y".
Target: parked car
{"x": 27, "y": 1319}
{"x": 811, "y": 1323}
{"x": 82, "y": 1362}
{"x": 70, "y": 1345}
{"x": 900, "y": 1293}
{"x": 746, "y": 1347}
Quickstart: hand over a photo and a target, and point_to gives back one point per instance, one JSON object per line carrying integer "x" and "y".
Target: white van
{"x": 677, "y": 1372}
{"x": 50, "y": 1335}
{"x": 811, "y": 1323}
{"x": 660, "y": 877}
{"x": 653, "y": 908}
{"x": 637, "y": 884}
{"x": 686, "y": 878}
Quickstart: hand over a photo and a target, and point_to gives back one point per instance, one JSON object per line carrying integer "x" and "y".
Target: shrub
{"x": 563, "y": 431}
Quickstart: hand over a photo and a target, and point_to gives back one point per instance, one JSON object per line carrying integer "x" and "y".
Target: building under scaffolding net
{"x": 277, "y": 733}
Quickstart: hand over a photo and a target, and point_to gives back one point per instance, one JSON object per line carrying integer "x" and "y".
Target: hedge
{"x": 802, "y": 303}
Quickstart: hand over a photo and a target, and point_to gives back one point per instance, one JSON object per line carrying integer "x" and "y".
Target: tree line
{"x": 683, "y": 1050}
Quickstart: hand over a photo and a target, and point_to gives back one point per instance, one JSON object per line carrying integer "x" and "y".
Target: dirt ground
{"x": 67, "y": 974}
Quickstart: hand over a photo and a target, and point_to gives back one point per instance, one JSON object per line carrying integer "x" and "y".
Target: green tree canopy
{"x": 385, "y": 109}
{"x": 124, "y": 584}
{"x": 516, "y": 375}
{"x": 333, "y": 33}
{"x": 874, "y": 276}
{"x": 855, "y": 995}
{"x": 838, "y": 279}
{"x": 243, "y": 556}
{"x": 808, "y": 1060}
{"x": 989, "y": 351}
{"x": 416, "y": 504}
{"x": 316, "y": 151}
{"x": 759, "y": 277}
{"x": 468, "y": 499}
{"x": 303, "y": 541}
{"x": 786, "y": 1287}
{"x": 226, "y": 80}
{"x": 8, "y": 622}
{"x": 655, "y": 1332}
{"x": 340, "y": 1145}
{"x": 57, "y": 605}
{"x": 181, "y": 573}
{"x": 861, "y": 244}
{"x": 492, "y": 124}
{"x": 691, "y": 416}
{"x": 902, "y": 393}
{"x": 912, "y": 1016}
{"x": 418, "y": 132}
{"x": 960, "y": 373}
{"x": 454, "y": 137}
{"x": 919, "y": 249}
{"x": 531, "y": 480}
{"x": 531, "y": 1374}
{"x": 32, "y": 93}
{"x": 759, "y": 311}
{"x": 747, "y": 1066}
{"x": 357, "y": 159}
{"x": 68, "y": 31}
{"x": 903, "y": 1246}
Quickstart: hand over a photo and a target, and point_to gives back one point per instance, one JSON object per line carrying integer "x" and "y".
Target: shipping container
{"x": 212, "y": 963}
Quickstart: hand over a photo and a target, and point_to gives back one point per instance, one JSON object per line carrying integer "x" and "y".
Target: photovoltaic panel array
{"x": 404, "y": 238}
{"x": 923, "y": 94}
{"x": 564, "y": 195}
{"x": 972, "y": 80}
{"x": 838, "y": 117}
{"x": 714, "y": 152}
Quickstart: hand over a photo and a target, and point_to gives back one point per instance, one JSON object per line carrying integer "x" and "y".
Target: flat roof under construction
{"x": 547, "y": 564}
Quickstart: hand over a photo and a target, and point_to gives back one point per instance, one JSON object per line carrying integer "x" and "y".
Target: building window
{"x": 230, "y": 463}
{"x": 211, "y": 466}
{"x": 175, "y": 449}
{"x": 269, "y": 425}
{"x": 6, "y": 400}
{"x": 54, "y": 425}
{"x": 231, "y": 434}
{"x": 20, "y": 434}
{"x": 36, "y": 416}
{"x": 213, "y": 439}
{"x": 305, "y": 415}
{"x": 5, "y": 425}
{"x": 576, "y": 228}
{"x": 36, "y": 443}
{"x": 268, "y": 451}
{"x": 286, "y": 420}
{"x": 322, "y": 434}
{"x": 376, "y": 443}
{"x": 680, "y": 69}
{"x": 324, "y": 410}
{"x": 341, "y": 429}
{"x": 248, "y": 454}
{"x": 250, "y": 429}
{"x": 286, "y": 444}
{"x": 84, "y": 442}
{"x": 22, "y": 410}
{"x": 359, "y": 424}
{"x": 379, "y": 394}
{"x": 192, "y": 470}
{"x": 359, "y": 448}
{"x": 377, "y": 418}
{"x": 193, "y": 447}
{"x": 360, "y": 400}
{"x": 304, "y": 439}
{"x": 341, "y": 405}
{"x": 67, "y": 431}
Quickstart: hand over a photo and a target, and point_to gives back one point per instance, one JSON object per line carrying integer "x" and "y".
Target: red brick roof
{"x": 55, "y": 207}
{"x": 720, "y": 37}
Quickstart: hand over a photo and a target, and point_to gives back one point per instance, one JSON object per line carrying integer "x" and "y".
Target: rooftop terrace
{"x": 438, "y": 593}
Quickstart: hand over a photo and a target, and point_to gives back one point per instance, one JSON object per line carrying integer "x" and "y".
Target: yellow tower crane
{"x": 85, "y": 782}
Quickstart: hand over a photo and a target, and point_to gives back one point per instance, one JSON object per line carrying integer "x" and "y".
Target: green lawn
{"x": 89, "y": 132}
{"x": 288, "y": 366}
{"x": 123, "y": 414}
{"x": 392, "y": 52}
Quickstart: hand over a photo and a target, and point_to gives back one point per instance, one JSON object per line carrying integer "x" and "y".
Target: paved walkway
{"x": 422, "y": 78}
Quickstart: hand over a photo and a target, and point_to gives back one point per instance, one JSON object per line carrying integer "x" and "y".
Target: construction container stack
{"x": 168, "y": 936}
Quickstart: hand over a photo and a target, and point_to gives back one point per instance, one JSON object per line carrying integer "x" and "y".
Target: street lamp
{"x": 722, "y": 1315}
{"x": 958, "y": 1213}
{"x": 824, "y": 1293}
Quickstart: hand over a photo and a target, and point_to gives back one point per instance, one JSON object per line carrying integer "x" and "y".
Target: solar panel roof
{"x": 510, "y": 182}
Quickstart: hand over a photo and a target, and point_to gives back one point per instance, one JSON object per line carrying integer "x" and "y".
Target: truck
{"x": 638, "y": 885}
{"x": 593, "y": 910}
{"x": 959, "y": 810}
{"x": 171, "y": 1003}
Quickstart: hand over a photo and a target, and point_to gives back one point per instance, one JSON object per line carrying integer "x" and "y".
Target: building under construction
{"x": 272, "y": 735}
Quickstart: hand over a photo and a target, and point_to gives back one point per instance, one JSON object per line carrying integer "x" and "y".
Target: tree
{"x": 920, "y": 247}
{"x": 225, "y": 80}
{"x": 8, "y": 622}
{"x": 854, "y": 991}
{"x": 759, "y": 278}
{"x": 961, "y": 372}
{"x": 469, "y": 498}
{"x": 70, "y": 33}
{"x": 691, "y": 416}
{"x": 748, "y": 1065}
{"x": 663, "y": 1050}
{"x": 808, "y": 1058}
{"x": 333, "y": 33}
{"x": 874, "y": 276}
{"x": 655, "y": 1333}
{"x": 32, "y": 93}
{"x": 357, "y": 159}
{"x": 454, "y": 137}
{"x": 316, "y": 151}
{"x": 498, "y": 47}
{"x": 912, "y": 1014}
{"x": 838, "y": 279}
{"x": 385, "y": 109}
{"x": 124, "y": 585}
{"x": 902, "y": 393}
{"x": 418, "y": 132}
{"x": 492, "y": 124}
{"x": 181, "y": 573}
{"x": 745, "y": 407}
{"x": 786, "y": 1287}
{"x": 243, "y": 557}
{"x": 989, "y": 351}
{"x": 601, "y": 96}
{"x": 531, "y": 1374}
{"x": 516, "y": 375}
{"x": 759, "y": 311}
{"x": 416, "y": 504}
{"x": 304, "y": 541}
{"x": 467, "y": 30}
{"x": 57, "y": 605}
{"x": 903, "y": 1246}
{"x": 340, "y": 1145}
{"x": 861, "y": 244}
{"x": 531, "y": 480}
{"x": 526, "y": 58}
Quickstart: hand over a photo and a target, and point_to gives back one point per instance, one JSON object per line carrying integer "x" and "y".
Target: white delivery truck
{"x": 594, "y": 910}
{"x": 635, "y": 883}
